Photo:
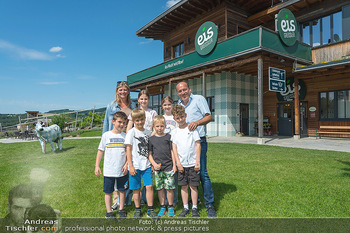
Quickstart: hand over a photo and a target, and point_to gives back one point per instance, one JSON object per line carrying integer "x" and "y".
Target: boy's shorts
{"x": 135, "y": 181}
{"x": 120, "y": 182}
{"x": 164, "y": 180}
{"x": 189, "y": 177}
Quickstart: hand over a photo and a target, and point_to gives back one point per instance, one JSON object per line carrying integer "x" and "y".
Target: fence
{"x": 28, "y": 124}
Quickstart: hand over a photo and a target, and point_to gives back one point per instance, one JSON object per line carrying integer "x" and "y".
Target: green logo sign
{"x": 287, "y": 27}
{"x": 288, "y": 95}
{"x": 206, "y": 38}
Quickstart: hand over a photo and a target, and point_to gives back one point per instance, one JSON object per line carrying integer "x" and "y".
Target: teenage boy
{"x": 139, "y": 166}
{"x": 114, "y": 165}
{"x": 187, "y": 150}
{"x": 163, "y": 161}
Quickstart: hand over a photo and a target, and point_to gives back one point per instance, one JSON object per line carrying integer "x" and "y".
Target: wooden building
{"x": 234, "y": 74}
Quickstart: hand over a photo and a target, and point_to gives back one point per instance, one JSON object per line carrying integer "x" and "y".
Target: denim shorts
{"x": 135, "y": 181}
{"x": 120, "y": 182}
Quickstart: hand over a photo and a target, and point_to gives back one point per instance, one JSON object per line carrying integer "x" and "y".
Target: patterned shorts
{"x": 164, "y": 180}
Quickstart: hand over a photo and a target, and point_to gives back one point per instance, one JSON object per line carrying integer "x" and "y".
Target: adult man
{"x": 20, "y": 200}
{"x": 198, "y": 115}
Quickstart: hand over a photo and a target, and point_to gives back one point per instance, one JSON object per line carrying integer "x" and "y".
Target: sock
{"x": 150, "y": 207}
{"x": 138, "y": 209}
{"x": 186, "y": 206}
{"x": 162, "y": 206}
{"x": 194, "y": 207}
{"x": 170, "y": 206}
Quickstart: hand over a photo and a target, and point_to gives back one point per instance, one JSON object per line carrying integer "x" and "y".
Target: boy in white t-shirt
{"x": 114, "y": 166}
{"x": 139, "y": 166}
{"x": 187, "y": 150}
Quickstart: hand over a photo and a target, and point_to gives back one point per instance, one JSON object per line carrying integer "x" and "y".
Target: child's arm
{"x": 130, "y": 125}
{"x": 174, "y": 160}
{"x": 197, "y": 166}
{"x": 177, "y": 160}
{"x": 154, "y": 164}
{"x": 129, "y": 159}
{"x": 125, "y": 168}
{"x": 97, "y": 164}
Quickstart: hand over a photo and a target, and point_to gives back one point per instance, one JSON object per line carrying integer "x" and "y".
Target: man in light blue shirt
{"x": 198, "y": 116}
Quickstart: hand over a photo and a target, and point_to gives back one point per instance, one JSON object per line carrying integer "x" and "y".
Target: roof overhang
{"x": 243, "y": 46}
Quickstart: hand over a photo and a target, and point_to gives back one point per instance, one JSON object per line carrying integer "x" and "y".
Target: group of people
{"x": 138, "y": 143}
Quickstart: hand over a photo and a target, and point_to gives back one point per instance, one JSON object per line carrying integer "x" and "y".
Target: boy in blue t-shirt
{"x": 114, "y": 166}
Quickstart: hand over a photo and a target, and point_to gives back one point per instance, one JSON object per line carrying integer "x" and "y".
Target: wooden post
{"x": 260, "y": 102}
{"x": 76, "y": 120}
{"x": 296, "y": 109}
{"x": 92, "y": 119}
{"x": 170, "y": 89}
{"x": 20, "y": 124}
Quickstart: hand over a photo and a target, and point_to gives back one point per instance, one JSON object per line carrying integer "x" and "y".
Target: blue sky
{"x": 57, "y": 54}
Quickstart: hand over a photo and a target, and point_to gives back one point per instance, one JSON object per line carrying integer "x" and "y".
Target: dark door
{"x": 285, "y": 120}
{"x": 244, "y": 114}
{"x": 303, "y": 118}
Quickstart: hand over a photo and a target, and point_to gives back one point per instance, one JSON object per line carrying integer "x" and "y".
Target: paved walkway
{"x": 332, "y": 144}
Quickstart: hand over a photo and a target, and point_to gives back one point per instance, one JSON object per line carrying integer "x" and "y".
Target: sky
{"x": 70, "y": 54}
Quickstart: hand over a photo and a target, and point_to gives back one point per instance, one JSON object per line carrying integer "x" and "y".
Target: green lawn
{"x": 248, "y": 180}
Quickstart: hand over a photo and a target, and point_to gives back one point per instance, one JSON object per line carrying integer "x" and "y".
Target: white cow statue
{"x": 49, "y": 134}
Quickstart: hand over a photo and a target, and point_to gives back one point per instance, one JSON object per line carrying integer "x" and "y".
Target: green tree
{"x": 97, "y": 120}
{"x": 59, "y": 120}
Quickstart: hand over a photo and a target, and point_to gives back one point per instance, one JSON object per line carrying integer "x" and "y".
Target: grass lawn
{"x": 248, "y": 180}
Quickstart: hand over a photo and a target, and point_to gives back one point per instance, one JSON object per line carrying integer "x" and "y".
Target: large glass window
{"x": 335, "y": 105}
{"x": 211, "y": 104}
{"x": 178, "y": 50}
{"x": 323, "y": 30}
{"x": 155, "y": 103}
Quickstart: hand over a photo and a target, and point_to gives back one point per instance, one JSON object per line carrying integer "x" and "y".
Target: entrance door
{"x": 303, "y": 118}
{"x": 244, "y": 115}
{"x": 285, "y": 119}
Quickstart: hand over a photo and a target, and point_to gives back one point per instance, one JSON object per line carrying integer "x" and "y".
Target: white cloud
{"x": 145, "y": 42}
{"x": 55, "y": 49}
{"x": 23, "y": 53}
{"x": 171, "y": 3}
{"x": 52, "y": 83}
{"x": 60, "y": 56}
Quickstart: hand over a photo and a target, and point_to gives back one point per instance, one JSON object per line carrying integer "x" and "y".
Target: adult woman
{"x": 122, "y": 102}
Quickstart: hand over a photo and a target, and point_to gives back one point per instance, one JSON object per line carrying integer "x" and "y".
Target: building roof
{"x": 259, "y": 12}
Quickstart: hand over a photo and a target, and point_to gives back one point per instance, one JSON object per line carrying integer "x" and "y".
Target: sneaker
{"x": 211, "y": 212}
{"x": 122, "y": 214}
{"x": 161, "y": 212}
{"x": 184, "y": 213}
{"x": 151, "y": 214}
{"x": 110, "y": 215}
{"x": 171, "y": 212}
{"x": 115, "y": 206}
{"x": 137, "y": 214}
{"x": 195, "y": 213}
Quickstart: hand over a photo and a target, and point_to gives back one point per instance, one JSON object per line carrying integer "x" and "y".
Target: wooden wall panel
{"x": 331, "y": 52}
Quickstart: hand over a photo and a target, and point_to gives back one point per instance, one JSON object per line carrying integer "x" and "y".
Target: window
{"x": 178, "y": 50}
{"x": 335, "y": 105}
{"x": 155, "y": 103}
{"x": 211, "y": 103}
{"x": 323, "y": 30}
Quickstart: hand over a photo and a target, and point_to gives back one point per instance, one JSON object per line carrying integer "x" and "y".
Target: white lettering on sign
{"x": 204, "y": 37}
{"x": 288, "y": 26}
{"x": 174, "y": 64}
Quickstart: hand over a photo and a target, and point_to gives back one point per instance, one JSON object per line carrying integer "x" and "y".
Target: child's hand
{"x": 174, "y": 168}
{"x": 132, "y": 171}
{"x": 197, "y": 167}
{"x": 125, "y": 169}
{"x": 97, "y": 171}
{"x": 180, "y": 168}
{"x": 157, "y": 166}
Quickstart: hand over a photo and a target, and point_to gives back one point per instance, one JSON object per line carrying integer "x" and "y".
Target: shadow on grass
{"x": 221, "y": 189}
{"x": 347, "y": 170}
{"x": 64, "y": 149}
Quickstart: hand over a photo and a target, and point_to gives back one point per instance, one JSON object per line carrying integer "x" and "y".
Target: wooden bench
{"x": 328, "y": 129}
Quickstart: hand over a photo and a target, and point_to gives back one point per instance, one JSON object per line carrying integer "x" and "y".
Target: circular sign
{"x": 312, "y": 109}
{"x": 288, "y": 95}
{"x": 287, "y": 27}
{"x": 206, "y": 38}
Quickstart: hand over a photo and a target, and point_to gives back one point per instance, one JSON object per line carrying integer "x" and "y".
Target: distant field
{"x": 248, "y": 180}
